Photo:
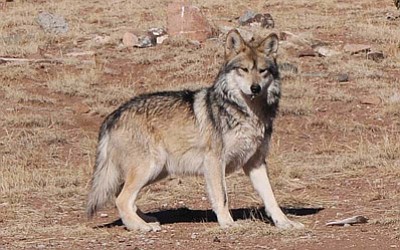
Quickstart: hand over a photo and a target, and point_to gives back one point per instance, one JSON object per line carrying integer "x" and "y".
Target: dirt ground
{"x": 335, "y": 150}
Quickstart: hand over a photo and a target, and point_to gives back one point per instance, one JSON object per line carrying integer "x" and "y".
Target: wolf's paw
{"x": 145, "y": 227}
{"x": 228, "y": 224}
{"x": 288, "y": 224}
{"x": 155, "y": 226}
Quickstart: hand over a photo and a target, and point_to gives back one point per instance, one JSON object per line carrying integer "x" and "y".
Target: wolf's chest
{"x": 242, "y": 142}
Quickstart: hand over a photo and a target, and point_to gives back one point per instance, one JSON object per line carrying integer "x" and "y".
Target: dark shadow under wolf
{"x": 186, "y": 215}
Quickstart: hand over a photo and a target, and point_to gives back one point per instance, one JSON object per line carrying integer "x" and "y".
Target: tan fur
{"x": 211, "y": 132}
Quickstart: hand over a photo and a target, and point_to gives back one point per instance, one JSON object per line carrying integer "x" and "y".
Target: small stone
{"x": 41, "y": 246}
{"x": 193, "y": 236}
{"x": 129, "y": 39}
{"x": 253, "y": 19}
{"x": 346, "y": 225}
{"x": 101, "y": 39}
{"x": 356, "y": 48}
{"x": 371, "y": 100}
{"x": 81, "y": 108}
{"x": 248, "y": 15}
{"x": 161, "y": 39}
{"x": 103, "y": 215}
{"x": 51, "y": 23}
{"x": 376, "y": 56}
{"x": 326, "y": 52}
{"x": 146, "y": 41}
{"x": 343, "y": 77}
{"x": 293, "y": 38}
{"x": 216, "y": 239}
{"x": 159, "y": 34}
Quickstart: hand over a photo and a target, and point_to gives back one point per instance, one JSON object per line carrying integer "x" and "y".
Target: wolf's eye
{"x": 262, "y": 71}
{"x": 244, "y": 69}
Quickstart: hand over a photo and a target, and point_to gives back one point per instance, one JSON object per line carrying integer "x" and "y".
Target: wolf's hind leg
{"x": 214, "y": 173}
{"x": 135, "y": 180}
{"x": 259, "y": 178}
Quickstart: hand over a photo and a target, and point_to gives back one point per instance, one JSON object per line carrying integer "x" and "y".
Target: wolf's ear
{"x": 234, "y": 44}
{"x": 269, "y": 45}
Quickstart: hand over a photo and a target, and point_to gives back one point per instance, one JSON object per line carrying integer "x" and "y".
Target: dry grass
{"x": 324, "y": 135}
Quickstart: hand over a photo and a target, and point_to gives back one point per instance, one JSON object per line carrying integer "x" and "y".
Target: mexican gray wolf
{"x": 210, "y": 131}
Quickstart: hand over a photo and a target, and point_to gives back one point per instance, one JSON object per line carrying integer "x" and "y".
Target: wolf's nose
{"x": 255, "y": 88}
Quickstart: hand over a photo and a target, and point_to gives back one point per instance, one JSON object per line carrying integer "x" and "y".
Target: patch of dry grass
{"x": 47, "y": 151}
{"x": 297, "y": 97}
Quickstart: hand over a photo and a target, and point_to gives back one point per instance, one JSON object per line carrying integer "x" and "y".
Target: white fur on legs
{"x": 214, "y": 173}
{"x": 260, "y": 181}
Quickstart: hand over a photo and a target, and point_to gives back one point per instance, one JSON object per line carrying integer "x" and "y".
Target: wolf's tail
{"x": 106, "y": 177}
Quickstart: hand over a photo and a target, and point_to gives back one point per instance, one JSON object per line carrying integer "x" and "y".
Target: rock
{"x": 349, "y": 221}
{"x": 343, "y": 77}
{"x": 392, "y": 17}
{"x": 306, "y": 52}
{"x": 146, "y": 41}
{"x": 103, "y": 215}
{"x": 129, "y": 39}
{"x": 187, "y": 20}
{"x": 371, "y": 100}
{"x": 323, "y": 51}
{"x": 248, "y": 15}
{"x": 159, "y": 34}
{"x": 288, "y": 67}
{"x": 377, "y": 56}
{"x": 295, "y": 39}
{"x": 81, "y": 108}
{"x": 101, "y": 39}
{"x": 356, "y": 48}
{"x": 52, "y": 23}
{"x": 253, "y": 19}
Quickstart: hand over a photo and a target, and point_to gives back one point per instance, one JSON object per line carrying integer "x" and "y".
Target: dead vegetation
{"x": 333, "y": 147}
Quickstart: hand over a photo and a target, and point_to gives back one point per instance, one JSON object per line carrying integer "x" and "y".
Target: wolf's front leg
{"x": 259, "y": 178}
{"x": 214, "y": 173}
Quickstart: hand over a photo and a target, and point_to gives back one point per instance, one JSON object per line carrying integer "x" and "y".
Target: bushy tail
{"x": 106, "y": 177}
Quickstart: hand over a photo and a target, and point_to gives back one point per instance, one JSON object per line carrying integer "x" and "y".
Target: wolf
{"x": 211, "y": 131}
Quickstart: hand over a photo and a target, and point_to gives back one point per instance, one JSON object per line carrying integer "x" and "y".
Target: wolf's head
{"x": 251, "y": 68}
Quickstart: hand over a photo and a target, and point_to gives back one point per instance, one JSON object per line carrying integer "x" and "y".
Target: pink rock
{"x": 129, "y": 39}
{"x": 187, "y": 20}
